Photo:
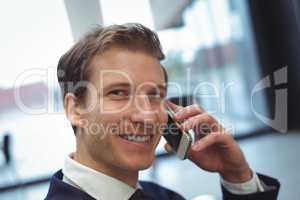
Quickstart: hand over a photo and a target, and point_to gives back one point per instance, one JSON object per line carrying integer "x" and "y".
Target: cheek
{"x": 106, "y": 114}
{"x": 100, "y": 148}
{"x": 162, "y": 117}
{"x": 101, "y": 125}
{"x": 109, "y": 106}
{"x": 162, "y": 114}
{"x": 157, "y": 140}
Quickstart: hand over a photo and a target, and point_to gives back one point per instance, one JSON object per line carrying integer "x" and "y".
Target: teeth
{"x": 136, "y": 138}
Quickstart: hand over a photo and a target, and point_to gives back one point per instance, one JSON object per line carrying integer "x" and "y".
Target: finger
{"x": 173, "y": 106}
{"x": 210, "y": 139}
{"x": 168, "y": 148}
{"x": 202, "y": 124}
{"x": 187, "y": 112}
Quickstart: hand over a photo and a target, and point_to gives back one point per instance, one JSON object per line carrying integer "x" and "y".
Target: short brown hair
{"x": 72, "y": 66}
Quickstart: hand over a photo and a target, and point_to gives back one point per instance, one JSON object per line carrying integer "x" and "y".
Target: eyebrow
{"x": 120, "y": 84}
{"x": 126, "y": 84}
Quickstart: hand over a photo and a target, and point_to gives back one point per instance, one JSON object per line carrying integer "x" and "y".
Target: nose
{"x": 143, "y": 110}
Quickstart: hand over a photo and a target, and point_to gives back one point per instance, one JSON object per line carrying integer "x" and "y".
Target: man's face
{"x": 131, "y": 90}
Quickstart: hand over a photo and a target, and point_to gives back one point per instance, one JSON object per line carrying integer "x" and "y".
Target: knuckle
{"x": 216, "y": 136}
{"x": 193, "y": 108}
{"x": 197, "y": 107}
{"x": 187, "y": 124}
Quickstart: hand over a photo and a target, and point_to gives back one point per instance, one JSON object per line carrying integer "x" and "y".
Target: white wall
{"x": 34, "y": 34}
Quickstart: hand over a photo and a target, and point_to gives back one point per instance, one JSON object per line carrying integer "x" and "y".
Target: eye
{"x": 119, "y": 93}
{"x": 156, "y": 96}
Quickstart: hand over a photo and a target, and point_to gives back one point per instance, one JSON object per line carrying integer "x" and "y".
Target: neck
{"x": 128, "y": 177}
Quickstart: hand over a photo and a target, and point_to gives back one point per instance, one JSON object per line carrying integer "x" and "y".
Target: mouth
{"x": 137, "y": 138}
{"x": 137, "y": 143}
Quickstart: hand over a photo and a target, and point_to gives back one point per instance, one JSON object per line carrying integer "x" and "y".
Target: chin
{"x": 140, "y": 163}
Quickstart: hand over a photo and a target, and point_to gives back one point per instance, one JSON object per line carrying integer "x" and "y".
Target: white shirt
{"x": 104, "y": 187}
{"x": 94, "y": 183}
{"x": 251, "y": 186}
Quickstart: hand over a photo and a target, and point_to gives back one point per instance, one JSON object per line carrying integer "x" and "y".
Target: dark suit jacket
{"x": 60, "y": 190}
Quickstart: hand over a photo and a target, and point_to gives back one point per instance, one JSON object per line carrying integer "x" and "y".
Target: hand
{"x": 214, "y": 149}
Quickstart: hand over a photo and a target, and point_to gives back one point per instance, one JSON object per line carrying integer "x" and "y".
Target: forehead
{"x": 119, "y": 65}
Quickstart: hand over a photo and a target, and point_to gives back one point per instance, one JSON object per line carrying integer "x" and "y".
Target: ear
{"x": 72, "y": 110}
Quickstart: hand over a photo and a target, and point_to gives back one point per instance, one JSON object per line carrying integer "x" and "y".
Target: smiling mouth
{"x": 137, "y": 138}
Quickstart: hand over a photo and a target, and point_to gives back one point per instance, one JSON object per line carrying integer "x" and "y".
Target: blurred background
{"x": 239, "y": 59}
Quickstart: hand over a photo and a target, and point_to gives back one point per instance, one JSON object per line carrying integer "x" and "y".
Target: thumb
{"x": 168, "y": 148}
{"x": 173, "y": 106}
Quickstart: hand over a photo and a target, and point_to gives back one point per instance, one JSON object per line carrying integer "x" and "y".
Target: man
{"x": 114, "y": 90}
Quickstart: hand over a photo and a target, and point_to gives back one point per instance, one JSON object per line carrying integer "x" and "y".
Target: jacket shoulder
{"x": 59, "y": 190}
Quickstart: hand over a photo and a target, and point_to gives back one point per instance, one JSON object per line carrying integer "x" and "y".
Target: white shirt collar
{"x": 96, "y": 184}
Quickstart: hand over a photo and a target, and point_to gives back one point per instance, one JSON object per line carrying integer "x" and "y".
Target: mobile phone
{"x": 179, "y": 140}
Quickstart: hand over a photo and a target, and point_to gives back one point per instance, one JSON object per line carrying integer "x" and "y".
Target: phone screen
{"x": 172, "y": 133}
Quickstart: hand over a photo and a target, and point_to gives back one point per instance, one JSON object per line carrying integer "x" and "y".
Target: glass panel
{"x": 210, "y": 54}
{"x": 212, "y": 57}
{"x": 34, "y": 34}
